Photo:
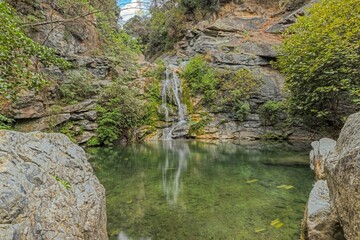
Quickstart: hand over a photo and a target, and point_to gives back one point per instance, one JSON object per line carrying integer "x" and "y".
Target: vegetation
{"x": 78, "y": 85}
{"x": 21, "y": 59}
{"x": 119, "y": 113}
{"x": 5, "y": 122}
{"x": 63, "y": 182}
{"x": 270, "y": 112}
{"x": 221, "y": 90}
{"x": 320, "y": 57}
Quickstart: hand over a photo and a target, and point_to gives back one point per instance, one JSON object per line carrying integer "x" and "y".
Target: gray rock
{"x": 234, "y": 24}
{"x": 321, "y": 222}
{"x": 343, "y": 173}
{"x": 321, "y": 149}
{"x": 43, "y": 123}
{"x": 48, "y": 189}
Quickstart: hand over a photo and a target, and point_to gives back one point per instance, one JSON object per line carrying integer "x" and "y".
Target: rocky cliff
{"x": 241, "y": 36}
{"x": 48, "y": 189}
{"x": 334, "y": 204}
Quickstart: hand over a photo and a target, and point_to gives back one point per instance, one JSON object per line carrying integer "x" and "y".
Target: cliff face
{"x": 335, "y": 197}
{"x": 48, "y": 189}
{"x": 241, "y": 36}
{"x": 73, "y": 29}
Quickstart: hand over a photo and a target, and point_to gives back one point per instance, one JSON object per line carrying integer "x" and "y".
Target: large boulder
{"x": 48, "y": 189}
{"x": 343, "y": 173}
{"x": 321, "y": 149}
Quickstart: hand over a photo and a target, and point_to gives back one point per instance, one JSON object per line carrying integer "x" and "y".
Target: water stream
{"x": 193, "y": 190}
{"x": 171, "y": 94}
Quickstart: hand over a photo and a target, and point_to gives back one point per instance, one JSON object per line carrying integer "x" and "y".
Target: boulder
{"x": 343, "y": 173}
{"x": 48, "y": 189}
{"x": 321, "y": 222}
{"x": 321, "y": 149}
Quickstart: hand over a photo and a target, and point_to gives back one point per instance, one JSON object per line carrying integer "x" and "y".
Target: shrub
{"x": 271, "y": 111}
{"x": 119, "y": 113}
{"x": 20, "y": 57}
{"x": 78, "y": 85}
{"x": 201, "y": 79}
{"x": 320, "y": 58}
{"x": 5, "y": 122}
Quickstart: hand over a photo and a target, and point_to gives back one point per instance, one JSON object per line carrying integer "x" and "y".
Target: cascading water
{"x": 171, "y": 93}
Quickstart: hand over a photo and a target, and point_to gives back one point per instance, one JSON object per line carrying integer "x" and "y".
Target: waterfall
{"x": 171, "y": 93}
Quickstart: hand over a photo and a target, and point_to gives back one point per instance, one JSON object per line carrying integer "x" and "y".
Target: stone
{"x": 342, "y": 168}
{"x": 321, "y": 149}
{"x": 48, "y": 189}
{"x": 84, "y": 137}
{"x": 43, "y": 123}
{"x": 321, "y": 222}
{"x": 234, "y": 24}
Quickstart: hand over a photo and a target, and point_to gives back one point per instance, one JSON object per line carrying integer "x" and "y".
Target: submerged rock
{"x": 48, "y": 189}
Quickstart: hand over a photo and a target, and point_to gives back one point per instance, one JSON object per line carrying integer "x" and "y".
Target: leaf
{"x": 276, "y": 223}
{"x": 259, "y": 230}
{"x": 252, "y": 181}
{"x": 287, "y": 187}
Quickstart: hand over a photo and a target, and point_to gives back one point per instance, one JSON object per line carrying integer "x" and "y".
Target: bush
{"x": 320, "y": 58}
{"x": 271, "y": 111}
{"x": 20, "y": 57}
{"x": 119, "y": 113}
{"x": 5, "y": 122}
{"x": 201, "y": 79}
{"x": 78, "y": 85}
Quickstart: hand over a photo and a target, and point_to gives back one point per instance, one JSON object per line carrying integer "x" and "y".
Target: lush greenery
{"x": 21, "y": 59}
{"x": 220, "y": 90}
{"x": 5, "y": 122}
{"x": 320, "y": 57}
{"x": 271, "y": 112}
{"x": 78, "y": 85}
{"x": 119, "y": 112}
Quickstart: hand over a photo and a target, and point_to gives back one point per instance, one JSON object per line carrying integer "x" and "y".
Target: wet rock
{"x": 343, "y": 173}
{"x": 48, "y": 189}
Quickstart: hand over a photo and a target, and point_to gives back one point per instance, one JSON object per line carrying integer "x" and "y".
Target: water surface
{"x": 194, "y": 190}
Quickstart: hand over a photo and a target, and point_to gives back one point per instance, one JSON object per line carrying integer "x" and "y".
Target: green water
{"x": 193, "y": 190}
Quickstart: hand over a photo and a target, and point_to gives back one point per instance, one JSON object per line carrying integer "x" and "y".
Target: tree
{"x": 320, "y": 58}
{"x": 20, "y": 57}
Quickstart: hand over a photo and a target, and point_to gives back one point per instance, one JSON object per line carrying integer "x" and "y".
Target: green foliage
{"x": 271, "y": 111}
{"x": 119, "y": 113}
{"x": 320, "y": 57}
{"x": 65, "y": 183}
{"x": 235, "y": 90}
{"x": 68, "y": 130}
{"x": 21, "y": 57}
{"x": 198, "y": 127}
{"x": 5, "y": 122}
{"x": 153, "y": 95}
{"x": 78, "y": 85}
{"x": 201, "y": 79}
{"x": 166, "y": 27}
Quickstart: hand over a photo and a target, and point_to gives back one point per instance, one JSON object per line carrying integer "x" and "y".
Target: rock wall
{"x": 48, "y": 189}
{"x": 242, "y": 36}
{"x": 337, "y": 215}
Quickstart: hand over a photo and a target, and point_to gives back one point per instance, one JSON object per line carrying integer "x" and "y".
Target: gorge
{"x": 191, "y": 122}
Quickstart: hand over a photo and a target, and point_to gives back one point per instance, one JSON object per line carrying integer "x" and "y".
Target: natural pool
{"x": 195, "y": 190}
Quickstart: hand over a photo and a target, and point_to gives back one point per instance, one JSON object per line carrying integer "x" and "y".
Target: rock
{"x": 289, "y": 19}
{"x": 321, "y": 149}
{"x": 83, "y": 106}
{"x": 321, "y": 222}
{"x": 234, "y": 24}
{"x": 41, "y": 124}
{"x": 342, "y": 167}
{"x": 48, "y": 189}
{"x": 84, "y": 137}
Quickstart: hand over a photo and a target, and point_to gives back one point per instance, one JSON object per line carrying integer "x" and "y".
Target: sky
{"x": 130, "y": 8}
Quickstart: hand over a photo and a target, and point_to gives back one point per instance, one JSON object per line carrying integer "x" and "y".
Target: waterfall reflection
{"x": 176, "y": 160}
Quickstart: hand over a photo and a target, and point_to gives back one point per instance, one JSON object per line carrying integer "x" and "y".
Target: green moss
{"x": 63, "y": 182}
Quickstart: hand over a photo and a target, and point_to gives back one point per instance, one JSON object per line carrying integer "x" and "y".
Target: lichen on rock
{"x": 48, "y": 189}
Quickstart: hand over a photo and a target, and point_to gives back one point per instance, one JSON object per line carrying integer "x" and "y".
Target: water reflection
{"x": 194, "y": 190}
{"x": 176, "y": 158}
